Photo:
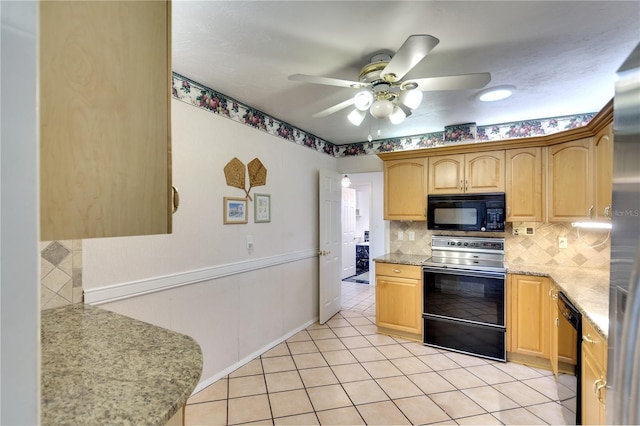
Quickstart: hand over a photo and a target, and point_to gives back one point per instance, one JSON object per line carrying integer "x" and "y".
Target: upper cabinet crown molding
{"x": 105, "y": 91}
{"x": 601, "y": 120}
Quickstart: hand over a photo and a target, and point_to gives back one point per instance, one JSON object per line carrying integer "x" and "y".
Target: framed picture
{"x": 235, "y": 210}
{"x": 262, "y": 208}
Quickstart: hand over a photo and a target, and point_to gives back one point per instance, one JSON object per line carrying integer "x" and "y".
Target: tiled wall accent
{"x": 60, "y": 273}
{"x": 193, "y": 93}
{"x": 586, "y": 248}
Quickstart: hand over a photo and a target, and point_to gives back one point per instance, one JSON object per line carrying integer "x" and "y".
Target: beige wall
{"x": 241, "y": 301}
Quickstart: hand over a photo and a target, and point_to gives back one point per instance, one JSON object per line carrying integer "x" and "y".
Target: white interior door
{"x": 329, "y": 257}
{"x": 348, "y": 233}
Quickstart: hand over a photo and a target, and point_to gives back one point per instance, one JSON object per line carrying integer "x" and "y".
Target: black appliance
{"x": 464, "y": 296}
{"x": 572, "y": 316}
{"x": 466, "y": 212}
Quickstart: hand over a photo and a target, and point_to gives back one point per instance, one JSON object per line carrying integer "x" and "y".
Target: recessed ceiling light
{"x": 495, "y": 93}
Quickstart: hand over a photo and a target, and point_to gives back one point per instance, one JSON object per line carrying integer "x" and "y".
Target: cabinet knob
{"x": 175, "y": 199}
{"x": 397, "y": 271}
{"x": 591, "y": 212}
{"x": 607, "y": 211}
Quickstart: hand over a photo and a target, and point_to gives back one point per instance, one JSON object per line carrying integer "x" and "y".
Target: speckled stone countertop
{"x": 587, "y": 288}
{"x": 402, "y": 259}
{"x": 99, "y": 368}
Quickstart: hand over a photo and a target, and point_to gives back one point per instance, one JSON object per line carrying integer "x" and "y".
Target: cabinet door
{"x": 554, "y": 320}
{"x": 570, "y": 181}
{"x": 567, "y": 350}
{"x": 529, "y": 316}
{"x": 484, "y": 172}
{"x": 399, "y": 300}
{"x": 405, "y": 195}
{"x": 524, "y": 190}
{"x": 446, "y": 174}
{"x": 603, "y": 172}
{"x": 593, "y": 391}
{"x": 105, "y": 88}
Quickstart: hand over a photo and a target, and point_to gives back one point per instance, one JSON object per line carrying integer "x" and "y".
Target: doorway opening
{"x": 356, "y": 221}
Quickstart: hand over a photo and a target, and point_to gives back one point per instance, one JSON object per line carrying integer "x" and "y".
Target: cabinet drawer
{"x": 399, "y": 270}
{"x": 595, "y": 344}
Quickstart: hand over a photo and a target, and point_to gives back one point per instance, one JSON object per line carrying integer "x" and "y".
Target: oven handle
{"x": 464, "y": 272}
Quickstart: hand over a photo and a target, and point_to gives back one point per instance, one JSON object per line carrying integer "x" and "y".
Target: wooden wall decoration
{"x": 235, "y": 174}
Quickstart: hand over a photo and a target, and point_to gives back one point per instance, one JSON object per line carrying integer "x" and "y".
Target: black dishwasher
{"x": 568, "y": 313}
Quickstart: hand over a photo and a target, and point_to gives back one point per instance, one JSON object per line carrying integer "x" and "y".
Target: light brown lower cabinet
{"x": 399, "y": 300}
{"x": 528, "y": 316}
{"x": 535, "y": 334}
{"x": 594, "y": 376}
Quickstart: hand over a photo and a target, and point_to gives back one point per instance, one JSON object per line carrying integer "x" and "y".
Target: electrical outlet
{"x": 400, "y": 235}
{"x": 412, "y": 236}
{"x": 562, "y": 242}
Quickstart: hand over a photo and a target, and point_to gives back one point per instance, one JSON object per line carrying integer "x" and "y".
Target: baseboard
{"x": 211, "y": 380}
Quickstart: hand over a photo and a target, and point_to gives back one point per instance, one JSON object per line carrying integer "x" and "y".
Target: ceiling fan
{"x": 384, "y": 91}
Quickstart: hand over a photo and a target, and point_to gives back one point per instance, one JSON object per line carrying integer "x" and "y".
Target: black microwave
{"x": 466, "y": 212}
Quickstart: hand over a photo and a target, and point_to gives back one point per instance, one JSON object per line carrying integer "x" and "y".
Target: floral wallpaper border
{"x": 191, "y": 92}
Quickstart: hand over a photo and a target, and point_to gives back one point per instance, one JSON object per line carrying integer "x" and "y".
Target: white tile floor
{"x": 344, "y": 373}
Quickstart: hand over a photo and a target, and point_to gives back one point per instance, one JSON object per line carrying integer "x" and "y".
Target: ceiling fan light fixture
{"x": 411, "y": 98}
{"x": 356, "y": 117}
{"x": 363, "y": 100}
{"x": 397, "y": 116}
{"x": 381, "y": 108}
{"x": 495, "y": 93}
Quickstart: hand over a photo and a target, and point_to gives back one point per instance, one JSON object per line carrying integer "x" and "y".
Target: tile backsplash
{"x": 60, "y": 273}
{"x": 586, "y": 248}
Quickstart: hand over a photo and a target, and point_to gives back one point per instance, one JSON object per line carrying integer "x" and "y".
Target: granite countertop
{"x": 587, "y": 288}
{"x": 99, "y": 367}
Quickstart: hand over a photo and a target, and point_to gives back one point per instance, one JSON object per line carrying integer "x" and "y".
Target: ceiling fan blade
{"x": 335, "y": 108}
{"x": 328, "y": 81}
{"x": 453, "y": 82}
{"x": 412, "y": 51}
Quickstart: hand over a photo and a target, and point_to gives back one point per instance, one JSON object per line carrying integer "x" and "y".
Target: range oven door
{"x": 464, "y": 311}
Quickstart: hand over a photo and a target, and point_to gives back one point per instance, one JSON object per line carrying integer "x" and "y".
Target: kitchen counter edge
{"x": 586, "y": 288}
{"x": 100, "y": 367}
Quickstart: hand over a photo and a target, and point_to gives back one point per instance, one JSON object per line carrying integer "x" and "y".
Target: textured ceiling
{"x": 561, "y": 56}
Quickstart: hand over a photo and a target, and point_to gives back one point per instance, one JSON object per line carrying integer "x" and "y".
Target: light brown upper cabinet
{"x": 405, "y": 189}
{"x": 603, "y": 145}
{"x": 467, "y": 173}
{"x": 105, "y": 87}
{"x": 524, "y": 185}
{"x": 571, "y": 181}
